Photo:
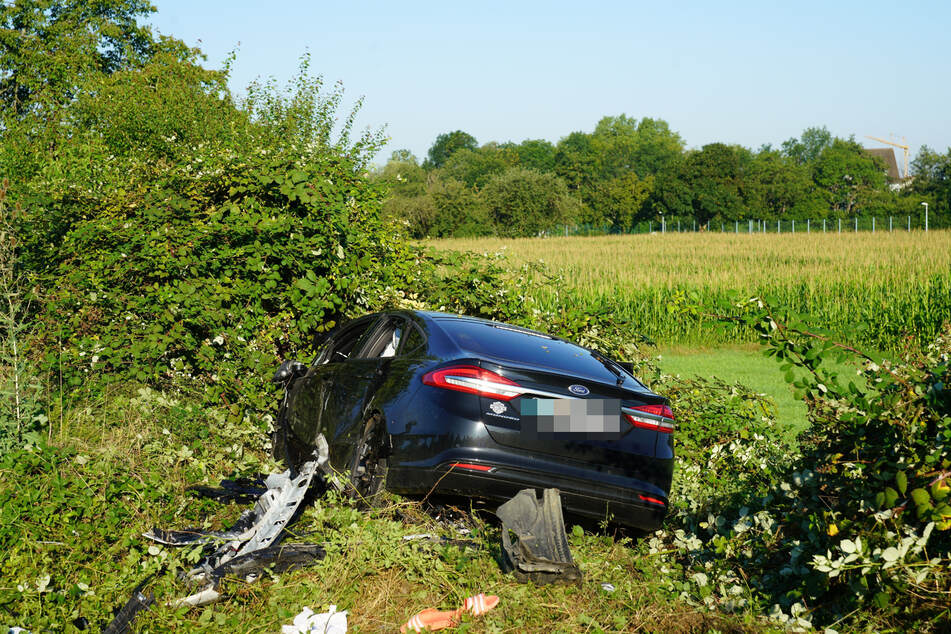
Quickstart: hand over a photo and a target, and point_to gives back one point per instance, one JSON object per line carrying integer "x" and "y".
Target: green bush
{"x": 858, "y": 521}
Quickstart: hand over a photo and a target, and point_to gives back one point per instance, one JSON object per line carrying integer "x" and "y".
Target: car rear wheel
{"x": 368, "y": 466}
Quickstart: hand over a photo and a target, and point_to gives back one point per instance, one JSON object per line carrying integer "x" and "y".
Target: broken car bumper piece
{"x": 534, "y": 544}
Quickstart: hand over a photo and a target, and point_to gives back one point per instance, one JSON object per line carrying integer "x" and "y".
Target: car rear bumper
{"x": 642, "y": 507}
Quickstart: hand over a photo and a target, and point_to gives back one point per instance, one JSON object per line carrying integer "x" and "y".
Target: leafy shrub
{"x": 859, "y": 519}
{"x": 727, "y": 445}
{"x": 175, "y": 234}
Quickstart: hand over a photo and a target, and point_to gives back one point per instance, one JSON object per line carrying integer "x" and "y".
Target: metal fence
{"x": 750, "y": 226}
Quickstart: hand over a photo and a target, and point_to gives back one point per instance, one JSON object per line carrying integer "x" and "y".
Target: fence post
{"x": 873, "y": 224}
{"x": 909, "y": 224}
{"x": 678, "y": 225}
{"x": 856, "y": 224}
{"x": 890, "y": 224}
{"x": 777, "y": 226}
{"x": 808, "y": 230}
{"x": 840, "y": 225}
{"x": 823, "y": 225}
{"x": 794, "y": 226}
{"x": 695, "y": 224}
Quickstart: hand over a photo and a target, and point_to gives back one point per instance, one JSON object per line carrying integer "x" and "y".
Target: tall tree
{"x": 524, "y": 202}
{"x": 446, "y": 144}
{"x": 476, "y": 167}
{"x": 576, "y": 160}
{"x": 807, "y": 148}
{"x": 48, "y": 48}
{"x": 933, "y": 177}
{"x": 621, "y": 199}
{"x": 847, "y": 174}
{"x": 777, "y": 187}
{"x": 536, "y": 154}
{"x": 706, "y": 185}
{"x": 644, "y": 147}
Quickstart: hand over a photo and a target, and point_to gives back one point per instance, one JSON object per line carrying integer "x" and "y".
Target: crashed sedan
{"x": 424, "y": 403}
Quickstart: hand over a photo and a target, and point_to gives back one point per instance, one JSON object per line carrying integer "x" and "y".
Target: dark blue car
{"x": 423, "y": 402}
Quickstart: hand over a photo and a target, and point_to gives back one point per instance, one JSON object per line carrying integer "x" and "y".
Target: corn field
{"x": 899, "y": 284}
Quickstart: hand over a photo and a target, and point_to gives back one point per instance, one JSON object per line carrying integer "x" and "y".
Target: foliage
{"x": 476, "y": 167}
{"x": 627, "y": 173}
{"x": 626, "y": 145}
{"x": 523, "y": 202}
{"x": 21, "y": 411}
{"x": 846, "y": 174}
{"x": 446, "y": 144}
{"x": 932, "y": 183}
{"x": 806, "y": 149}
{"x": 49, "y": 48}
{"x": 619, "y": 200}
{"x": 705, "y": 185}
{"x": 859, "y": 520}
{"x": 178, "y": 235}
{"x": 536, "y": 154}
{"x": 303, "y": 119}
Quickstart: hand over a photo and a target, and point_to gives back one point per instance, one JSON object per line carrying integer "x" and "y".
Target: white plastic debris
{"x": 330, "y": 622}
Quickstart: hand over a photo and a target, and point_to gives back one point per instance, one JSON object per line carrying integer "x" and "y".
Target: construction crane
{"x": 904, "y": 147}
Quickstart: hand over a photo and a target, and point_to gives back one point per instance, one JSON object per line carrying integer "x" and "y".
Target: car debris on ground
{"x": 539, "y": 551}
{"x": 534, "y": 548}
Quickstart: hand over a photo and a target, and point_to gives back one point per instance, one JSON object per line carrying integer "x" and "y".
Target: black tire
{"x": 368, "y": 466}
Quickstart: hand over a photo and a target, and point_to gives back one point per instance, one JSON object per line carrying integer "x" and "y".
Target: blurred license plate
{"x": 584, "y": 418}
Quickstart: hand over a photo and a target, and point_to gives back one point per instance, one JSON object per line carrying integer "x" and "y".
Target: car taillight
{"x": 469, "y": 466}
{"x": 474, "y": 380}
{"x": 652, "y": 500}
{"x": 655, "y": 417}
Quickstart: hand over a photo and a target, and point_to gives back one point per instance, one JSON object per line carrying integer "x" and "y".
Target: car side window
{"x": 385, "y": 340}
{"x": 343, "y": 345}
{"x": 412, "y": 341}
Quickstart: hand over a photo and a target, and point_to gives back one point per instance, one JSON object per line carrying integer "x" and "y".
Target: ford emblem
{"x": 580, "y": 390}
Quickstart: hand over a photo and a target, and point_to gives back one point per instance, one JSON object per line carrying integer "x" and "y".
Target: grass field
{"x": 746, "y": 364}
{"x": 898, "y": 283}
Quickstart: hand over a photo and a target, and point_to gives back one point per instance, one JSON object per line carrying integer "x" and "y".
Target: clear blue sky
{"x": 736, "y": 72}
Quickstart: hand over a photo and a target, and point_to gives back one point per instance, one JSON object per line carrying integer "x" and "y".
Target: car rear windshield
{"x": 507, "y": 343}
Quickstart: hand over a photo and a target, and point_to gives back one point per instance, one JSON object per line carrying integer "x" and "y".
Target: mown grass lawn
{"x": 743, "y": 364}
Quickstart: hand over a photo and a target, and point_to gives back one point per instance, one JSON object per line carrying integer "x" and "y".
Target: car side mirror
{"x": 288, "y": 371}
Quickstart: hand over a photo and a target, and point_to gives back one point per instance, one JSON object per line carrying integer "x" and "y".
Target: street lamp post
{"x": 926, "y": 216}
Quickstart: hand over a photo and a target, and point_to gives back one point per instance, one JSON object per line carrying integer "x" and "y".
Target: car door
{"x": 349, "y": 383}
{"x": 310, "y": 395}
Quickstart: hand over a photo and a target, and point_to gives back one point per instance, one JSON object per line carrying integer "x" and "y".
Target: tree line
{"x": 631, "y": 170}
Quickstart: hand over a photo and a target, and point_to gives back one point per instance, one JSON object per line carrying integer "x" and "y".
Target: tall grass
{"x": 898, "y": 283}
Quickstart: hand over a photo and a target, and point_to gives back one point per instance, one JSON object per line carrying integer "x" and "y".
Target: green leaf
{"x": 891, "y": 496}
{"x": 890, "y": 554}
{"x": 902, "y": 481}
{"x": 920, "y": 497}
{"x": 882, "y": 600}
